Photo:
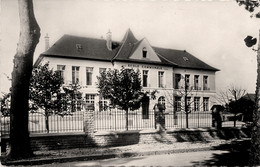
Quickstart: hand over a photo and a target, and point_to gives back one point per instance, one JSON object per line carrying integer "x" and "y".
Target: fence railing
{"x": 57, "y": 124}
{"x": 115, "y": 120}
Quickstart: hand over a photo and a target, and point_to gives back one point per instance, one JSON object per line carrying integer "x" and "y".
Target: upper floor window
{"x": 61, "y": 70}
{"x": 196, "y": 82}
{"x": 177, "y": 80}
{"x": 145, "y": 78}
{"x": 205, "y": 83}
{"x": 160, "y": 79}
{"x": 187, "y": 81}
{"x": 144, "y": 52}
{"x": 75, "y": 74}
{"x": 102, "y": 70}
{"x": 89, "y": 72}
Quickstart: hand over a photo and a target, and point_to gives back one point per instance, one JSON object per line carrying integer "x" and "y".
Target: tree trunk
{"x": 47, "y": 123}
{"x": 22, "y": 69}
{"x": 186, "y": 103}
{"x": 255, "y": 134}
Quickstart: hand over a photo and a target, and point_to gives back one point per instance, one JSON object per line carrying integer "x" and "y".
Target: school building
{"x": 173, "y": 73}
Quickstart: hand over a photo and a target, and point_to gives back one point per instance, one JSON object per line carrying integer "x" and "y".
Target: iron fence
{"x": 57, "y": 124}
{"x": 116, "y": 120}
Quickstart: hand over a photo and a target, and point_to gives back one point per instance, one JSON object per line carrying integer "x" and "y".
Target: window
{"x": 177, "y": 103}
{"x": 189, "y": 103}
{"x": 90, "y": 101}
{"x": 89, "y": 72}
{"x": 177, "y": 79}
{"x": 75, "y": 74}
{"x": 185, "y": 59}
{"x": 196, "y": 82}
{"x": 79, "y": 47}
{"x": 61, "y": 70}
{"x": 145, "y": 107}
{"x": 103, "y": 104}
{"x": 144, "y": 52}
{"x": 160, "y": 79}
{"x": 205, "y": 103}
{"x": 79, "y": 104}
{"x": 187, "y": 79}
{"x": 161, "y": 100}
{"x": 145, "y": 78}
{"x": 102, "y": 70}
{"x": 196, "y": 103}
{"x": 205, "y": 83}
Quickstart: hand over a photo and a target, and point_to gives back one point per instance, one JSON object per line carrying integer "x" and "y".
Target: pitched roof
{"x": 183, "y": 59}
{"x": 81, "y": 47}
{"x": 89, "y": 48}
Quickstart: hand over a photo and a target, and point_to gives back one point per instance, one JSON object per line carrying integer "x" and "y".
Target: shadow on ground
{"x": 237, "y": 155}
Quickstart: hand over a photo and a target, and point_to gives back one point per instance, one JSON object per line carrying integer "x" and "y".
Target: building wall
{"x": 166, "y": 91}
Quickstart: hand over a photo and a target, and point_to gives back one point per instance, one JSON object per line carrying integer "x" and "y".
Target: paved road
{"x": 178, "y": 159}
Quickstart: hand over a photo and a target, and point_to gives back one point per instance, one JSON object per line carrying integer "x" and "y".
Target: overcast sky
{"x": 213, "y": 31}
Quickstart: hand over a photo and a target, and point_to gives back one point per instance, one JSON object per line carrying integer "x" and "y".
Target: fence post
{"x": 89, "y": 121}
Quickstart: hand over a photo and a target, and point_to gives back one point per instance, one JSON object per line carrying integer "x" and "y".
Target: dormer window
{"x": 144, "y": 52}
{"x": 185, "y": 58}
{"x": 79, "y": 47}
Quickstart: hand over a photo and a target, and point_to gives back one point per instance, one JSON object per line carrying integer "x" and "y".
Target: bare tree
{"x": 22, "y": 69}
{"x": 233, "y": 92}
{"x": 180, "y": 100}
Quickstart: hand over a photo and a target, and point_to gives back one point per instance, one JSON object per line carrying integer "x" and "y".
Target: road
{"x": 201, "y": 158}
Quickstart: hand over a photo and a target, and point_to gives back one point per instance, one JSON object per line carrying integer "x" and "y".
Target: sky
{"x": 213, "y": 31}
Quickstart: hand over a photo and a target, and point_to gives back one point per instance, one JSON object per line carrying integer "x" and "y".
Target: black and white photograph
{"x": 129, "y": 83}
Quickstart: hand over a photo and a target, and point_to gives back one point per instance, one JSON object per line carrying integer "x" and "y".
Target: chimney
{"x": 109, "y": 40}
{"x": 47, "y": 43}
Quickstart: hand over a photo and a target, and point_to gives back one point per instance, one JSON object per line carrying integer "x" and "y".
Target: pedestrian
{"x": 217, "y": 116}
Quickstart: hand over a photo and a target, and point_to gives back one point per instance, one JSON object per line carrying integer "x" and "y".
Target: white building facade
{"x": 82, "y": 59}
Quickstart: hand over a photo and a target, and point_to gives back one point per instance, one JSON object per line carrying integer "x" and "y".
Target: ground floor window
{"x": 103, "y": 104}
{"x": 196, "y": 103}
{"x": 177, "y": 103}
{"x": 205, "y": 104}
{"x": 90, "y": 100}
{"x": 161, "y": 100}
{"x": 145, "y": 107}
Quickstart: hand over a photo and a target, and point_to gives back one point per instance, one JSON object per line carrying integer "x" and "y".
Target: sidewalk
{"x": 80, "y": 154}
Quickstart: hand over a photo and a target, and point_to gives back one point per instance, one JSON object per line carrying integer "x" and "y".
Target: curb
{"x": 100, "y": 156}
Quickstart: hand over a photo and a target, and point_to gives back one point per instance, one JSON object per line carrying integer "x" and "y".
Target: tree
{"x": 180, "y": 100}
{"x": 251, "y": 5}
{"x": 243, "y": 106}
{"x": 45, "y": 87}
{"x": 122, "y": 88}
{"x": 230, "y": 97}
{"x": 22, "y": 69}
{"x": 45, "y": 94}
